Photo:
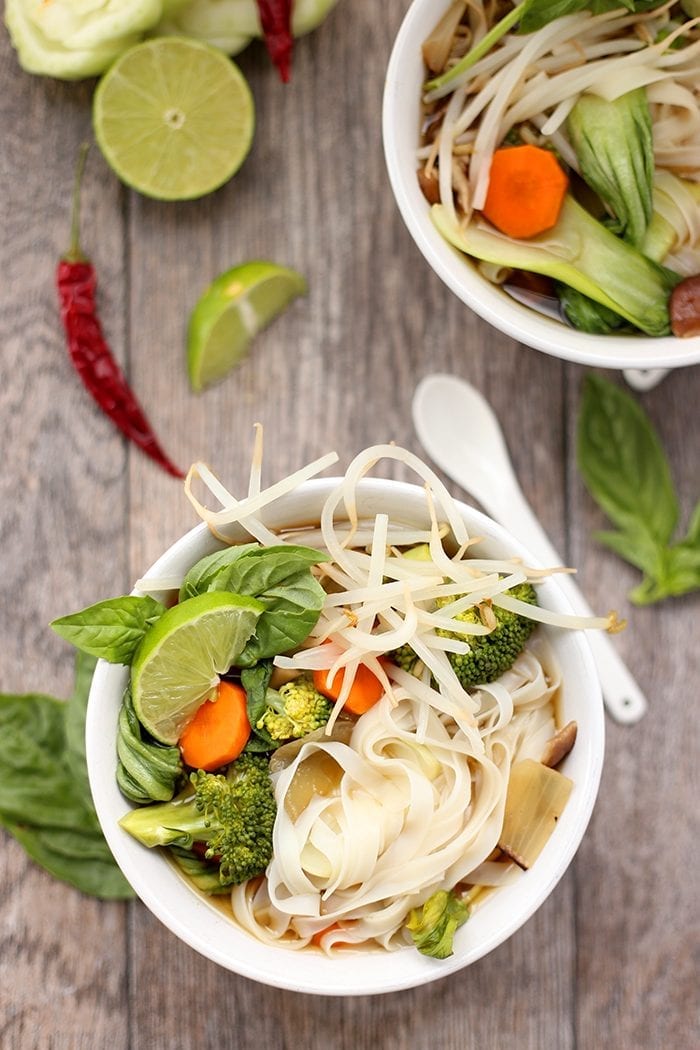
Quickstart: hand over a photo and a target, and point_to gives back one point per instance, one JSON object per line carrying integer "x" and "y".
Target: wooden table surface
{"x": 610, "y": 960}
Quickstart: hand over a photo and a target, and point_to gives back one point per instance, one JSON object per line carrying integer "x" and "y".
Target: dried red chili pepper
{"x": 276, "y": 21}
{"x": 88, "y": 349}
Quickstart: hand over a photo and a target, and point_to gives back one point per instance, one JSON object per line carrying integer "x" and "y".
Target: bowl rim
{"x": 404, "y": 74}
{"x": 196, "y": 921}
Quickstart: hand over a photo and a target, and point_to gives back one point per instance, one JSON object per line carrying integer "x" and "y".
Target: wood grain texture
{"x": 610, "y": 960}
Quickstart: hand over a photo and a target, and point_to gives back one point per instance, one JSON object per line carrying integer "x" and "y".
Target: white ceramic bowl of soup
{"x": 201, "y": 923}
{"x": 401, "y": 123}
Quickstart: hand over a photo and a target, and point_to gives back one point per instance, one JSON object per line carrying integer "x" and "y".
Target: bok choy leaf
{"x": 579, "y": 252}
{"x": 613, "y": 143}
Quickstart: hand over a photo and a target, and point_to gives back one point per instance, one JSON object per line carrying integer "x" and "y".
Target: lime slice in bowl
{"x": 178, "y": 663}
{"x": 233, "y": 309}
{"x": 174, "y": 118}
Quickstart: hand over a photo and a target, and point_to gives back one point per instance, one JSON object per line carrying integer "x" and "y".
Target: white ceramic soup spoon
{"x": 460, "y": 432}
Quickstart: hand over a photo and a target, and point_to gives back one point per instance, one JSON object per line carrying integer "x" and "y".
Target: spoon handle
{"x": 623, "y": 698}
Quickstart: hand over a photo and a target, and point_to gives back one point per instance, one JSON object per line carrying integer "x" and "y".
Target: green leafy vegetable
{"x": 147, "y": 771}
{"x": 203, "y": 574}
{"x": 587, "y": 315}
{"x": 433, "y": 926}
{"x": 579, "y": 252}
{"x": 540, "y": 13}
{"x": 256, "y": 682}
{"x": 625, "y": 469}
{"x": 614, "y": 146}
{"x": 45, "y": 800}
{"x": 280, "y": 578}
{"x": 111, "y": 630}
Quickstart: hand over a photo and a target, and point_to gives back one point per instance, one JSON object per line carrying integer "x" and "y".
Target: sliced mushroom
{"x": 684, "y": 308}
{"x": 430, "y": 186}
{"x": 559, "y": 746}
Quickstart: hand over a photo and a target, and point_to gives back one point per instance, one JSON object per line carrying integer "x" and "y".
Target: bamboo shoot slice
{"x": 437, "y": 47}
{"x": 536, "y": 799}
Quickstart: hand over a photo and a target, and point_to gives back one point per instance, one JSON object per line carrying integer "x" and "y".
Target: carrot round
{"x": 365, "y": 691}
{"x": 219, "y": 731}
{"x": 526, "y": 191}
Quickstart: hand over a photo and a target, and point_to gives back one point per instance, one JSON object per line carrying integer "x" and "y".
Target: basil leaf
{"x": 111, "y": 630}
{"x": 75, "y": 712}
{"x": 92, "y": 871}
{"x": 203, "y": 573}
{"x": 256, "y": 682}
{"x": 264, "y": 568}
{"x": 627, "y": 473}
{"x": 292, "y": 612}
{"x": 35, "y": 784}
{"x": 540, "y": 13}
{"x": 623, "y": 464}
{"x": 281, "y": 579}
{"x": 45, "y": 800}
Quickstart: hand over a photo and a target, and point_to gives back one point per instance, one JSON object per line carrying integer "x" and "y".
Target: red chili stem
{"x": 89, "y": 352}
{"x": 276, "y": 21}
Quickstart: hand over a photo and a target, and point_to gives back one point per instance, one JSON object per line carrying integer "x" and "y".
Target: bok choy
{"x": 613, "y": 143}
{"x": 581, "y": 253}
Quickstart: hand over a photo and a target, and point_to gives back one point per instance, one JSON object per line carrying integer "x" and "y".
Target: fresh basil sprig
{"x": 45, "y": 800}
{"x": 625, "y": 469}
{"x": 111, "y": 630}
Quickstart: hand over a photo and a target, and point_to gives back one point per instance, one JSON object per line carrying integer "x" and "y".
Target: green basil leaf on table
{"x": 45, "y": 800}
{"x": 623, "y": 463}
{"x": 75, "y": 712}
{"x": 625, "y": 469}
{"x": 111, "y": 630}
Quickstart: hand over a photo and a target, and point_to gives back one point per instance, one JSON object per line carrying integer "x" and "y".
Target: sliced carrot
{"x": 365, "y": 691}
{"x": 219, "y": 731}
{"x": 526, "y": 191}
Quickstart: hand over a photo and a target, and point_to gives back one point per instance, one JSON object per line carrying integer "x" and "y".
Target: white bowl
{"x": 401, "y": 123}
{"x": 201, "y": 925}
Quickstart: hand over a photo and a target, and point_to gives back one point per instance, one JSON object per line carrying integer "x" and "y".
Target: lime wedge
{"x": 234, "y": 308}
{"x": 178, "y": 663}
{"x": 174, "y": 118}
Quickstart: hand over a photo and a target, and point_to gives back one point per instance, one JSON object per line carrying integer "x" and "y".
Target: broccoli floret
{"x": 233, "y": 814}
{"x": 433, "y": 926}
{"x": 294, "y": 710}
{"x": 405, "y": 658}
{"x": 491, "y": 654}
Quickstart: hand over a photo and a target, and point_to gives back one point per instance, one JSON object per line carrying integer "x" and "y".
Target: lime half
{"x": 174, "y": 118}
{"x": 178, "y": 663}
{"x": 234, "y": 308}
